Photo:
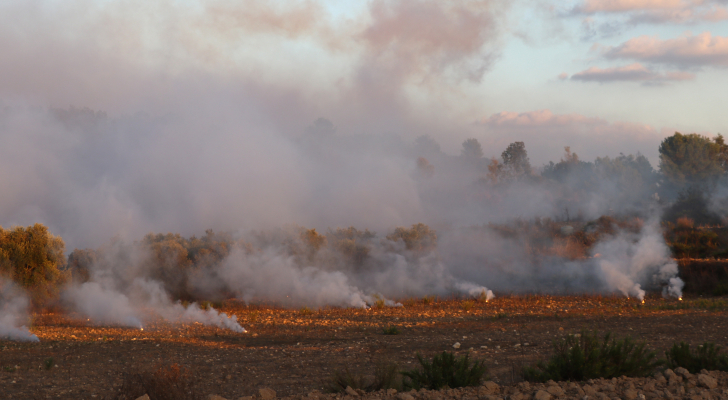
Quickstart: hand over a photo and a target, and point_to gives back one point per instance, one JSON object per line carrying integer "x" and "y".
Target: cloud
{"x": 634, "y": 72}
{"x": 684, "y": 52}
{"x": 656, "y": 11}
{"x": 590, "y": 137}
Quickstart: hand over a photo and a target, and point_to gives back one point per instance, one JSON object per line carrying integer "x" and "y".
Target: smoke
{"x": 630, "y": 262}
{"x": 119, "y": 292}
{"x": 13, "y": 313}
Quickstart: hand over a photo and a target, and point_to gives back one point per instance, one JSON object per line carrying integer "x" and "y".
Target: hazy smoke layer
{"x": 14, "y": 313}
{"x": 118, "y": 292}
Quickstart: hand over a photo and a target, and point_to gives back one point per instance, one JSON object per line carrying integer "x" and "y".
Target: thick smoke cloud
{"x": 209, "y": 125}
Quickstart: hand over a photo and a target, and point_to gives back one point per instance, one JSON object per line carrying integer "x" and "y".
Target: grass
{"x": 500, "y": 315}
{"x": 305, "y": 311}
{"x": 49, "y": 363}
{"x": 390, "y": 330}
{"x": 587, "y": 357}
{"x": 166, "y": 383}
{"x": 467, "y": 305}
{"x": 444, "y": 371}
{"x": 427, "y": 300}
{"x": 706, "y": 356}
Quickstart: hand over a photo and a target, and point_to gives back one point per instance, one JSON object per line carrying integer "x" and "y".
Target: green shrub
{"x": 586, "y": 357}
{"x": 49, "y": 363}
{"x": 390, "y": 330}
{"x": 705, "y": 357}
{"x": 444, "y": 371}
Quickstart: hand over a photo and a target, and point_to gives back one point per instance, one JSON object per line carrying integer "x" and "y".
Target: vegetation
{"x": 707, "y": 356}
{"x": 584, "y": 356}
{"x": 34, "y": 259}
{"x": 445, "y": 371}
{"x": 390, "y": 330}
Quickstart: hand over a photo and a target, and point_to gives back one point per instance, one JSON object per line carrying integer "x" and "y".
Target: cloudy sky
{"x": 620, "y": 73}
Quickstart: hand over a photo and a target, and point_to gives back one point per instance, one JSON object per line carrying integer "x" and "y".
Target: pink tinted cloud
{"x": 634, "y": 72}
{"x": 423, "y": 36}
{"x": 658, "y": 11}
{"x": 686, "y": 51}
{"x": 546, "y": 133}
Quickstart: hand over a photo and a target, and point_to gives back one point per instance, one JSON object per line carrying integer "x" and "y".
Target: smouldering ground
{"x": 296, "y": 351}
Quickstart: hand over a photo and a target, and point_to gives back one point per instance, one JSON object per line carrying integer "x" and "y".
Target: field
{"x": 297, "y": 351}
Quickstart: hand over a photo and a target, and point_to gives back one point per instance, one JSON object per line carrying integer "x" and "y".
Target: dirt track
{"x": 296, "y": 351}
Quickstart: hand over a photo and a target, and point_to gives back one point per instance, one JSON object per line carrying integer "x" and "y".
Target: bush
{"x": 166, "y": 383}
{"x": 445, "y": 371}
{"x": 390, "y": 330}
{"x": 705, "y": 357}
{"x": 578, "y": 358}
{"x": 34, "y": 259}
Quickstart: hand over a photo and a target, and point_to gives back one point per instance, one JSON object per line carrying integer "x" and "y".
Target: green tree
{"x": 515, "y": 159}
{"x": 691, "y": 159}
{"x": 34, "y": 259}
{"x": 472, "y": 149}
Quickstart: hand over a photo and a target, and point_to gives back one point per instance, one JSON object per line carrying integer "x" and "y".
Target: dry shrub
{"x": 685, "y": 223}
{"x": 165, "y": 383}
{"x": 570, "y": 249}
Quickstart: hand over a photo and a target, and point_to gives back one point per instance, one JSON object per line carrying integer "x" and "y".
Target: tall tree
{"x": 515, "y": 159}
{"x": 472, "y": 149}
{"x": 691, "y": 159}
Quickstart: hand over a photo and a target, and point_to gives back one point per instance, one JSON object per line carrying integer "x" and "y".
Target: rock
{"x": 524, "y": 386}
{"x": 542, "y": 395}
{"x": 145, "y": 397}
{"x": 491, "y": 386}
{"x": 351, "y": 392}
{"x": 683, "y": 372}
{"x": 555, "y": 390}
{"x": 404, "y": 396}
{"x": 215, "y": 397}
{"x": 517, "y": 396}
{"x": 456, "y": 345}
{"x": 391, "y": 392}
{"x": 247, "y": 398}
{"x": 669, "y": 373}
{"x": 630, "y": 394}
{"x": 267, "y": 394}
{"x": 707, "y": 381}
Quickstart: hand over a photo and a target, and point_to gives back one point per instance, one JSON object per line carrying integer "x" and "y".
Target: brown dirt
{"x": 296, "y": 351}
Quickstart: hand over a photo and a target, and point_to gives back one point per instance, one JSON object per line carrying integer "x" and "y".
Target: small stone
{"x": 707, "y": 381}
{"x": 683, "y": 372}
{"x": 456, "y": 345}
{"x": 145, "y": 397}
{"x": 555, "y": 390}
{"x": 215, "y": 397}
{"x": 541, "y": 395}
{"x": 267, "y": 394}
{"x": 351, "y": 392}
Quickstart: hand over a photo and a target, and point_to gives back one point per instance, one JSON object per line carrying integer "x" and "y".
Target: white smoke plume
{"x": 14, "y": 306}
{"x": 629, "y": 262}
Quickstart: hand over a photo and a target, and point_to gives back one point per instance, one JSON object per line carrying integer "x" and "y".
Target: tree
{"x": 691, "y": 159}
{"x": 515, "y": 160}
{"x": 472, "y": 149}
{"x": 34, "y": 259}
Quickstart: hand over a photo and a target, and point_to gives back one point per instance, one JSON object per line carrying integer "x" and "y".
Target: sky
{"x": 211, "y": 98}
{"x": 575, "y": 71}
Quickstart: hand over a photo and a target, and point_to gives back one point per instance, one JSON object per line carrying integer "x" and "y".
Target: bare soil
{"x": 297, "y": 351}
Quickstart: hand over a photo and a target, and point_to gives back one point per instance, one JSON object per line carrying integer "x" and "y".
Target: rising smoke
{"x": 14, "y": 307}
{"x": 203, "y": 132}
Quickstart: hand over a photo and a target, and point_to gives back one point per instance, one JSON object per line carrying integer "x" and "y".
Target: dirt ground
{"x": 296, "y": 351}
